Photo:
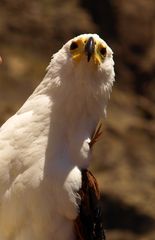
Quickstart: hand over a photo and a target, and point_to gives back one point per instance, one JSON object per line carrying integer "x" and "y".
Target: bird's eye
{"x": 103, "y": 51}
{"x": 73, "y": 46}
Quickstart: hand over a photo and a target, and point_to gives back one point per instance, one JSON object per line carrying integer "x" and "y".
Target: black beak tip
{"x": 89, "y": 48}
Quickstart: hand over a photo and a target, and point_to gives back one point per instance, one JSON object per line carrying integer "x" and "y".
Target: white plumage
{"x": 46, "y": 143}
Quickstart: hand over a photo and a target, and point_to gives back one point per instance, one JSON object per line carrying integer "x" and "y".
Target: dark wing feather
{"x": 88, "y": 225}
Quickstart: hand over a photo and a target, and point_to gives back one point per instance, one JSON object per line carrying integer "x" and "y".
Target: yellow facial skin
{"x": 78, "y": 51}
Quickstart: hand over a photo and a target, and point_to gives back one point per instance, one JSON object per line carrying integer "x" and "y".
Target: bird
{"x": 46, "y": 147}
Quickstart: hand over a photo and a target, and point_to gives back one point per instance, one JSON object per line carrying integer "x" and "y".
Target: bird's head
{"x": 88, "y": 48}
{"x": 89, "y": 51}
{"x": 85, "y": 63}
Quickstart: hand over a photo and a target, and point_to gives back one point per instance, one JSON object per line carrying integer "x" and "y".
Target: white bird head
{"x": 83, "y": 67}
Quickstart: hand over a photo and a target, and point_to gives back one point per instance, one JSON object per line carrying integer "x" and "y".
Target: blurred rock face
{"x": 124, "y": 159}
{"x": 137, "y": 34}
{"x": 38, "y": 24}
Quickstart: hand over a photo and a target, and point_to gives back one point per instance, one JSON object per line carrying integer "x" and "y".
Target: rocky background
{"x": 124, "y": 159}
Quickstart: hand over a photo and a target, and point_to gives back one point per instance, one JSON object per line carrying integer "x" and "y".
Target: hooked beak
{"x": 90, "y": 48}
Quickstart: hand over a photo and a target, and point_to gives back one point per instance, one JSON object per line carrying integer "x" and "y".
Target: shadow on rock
{"x": 120, "y": 216}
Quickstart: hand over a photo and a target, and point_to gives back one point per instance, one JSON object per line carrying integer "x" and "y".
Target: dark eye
{"x": 103, "y": 51}
{"x": 73, "y": 46}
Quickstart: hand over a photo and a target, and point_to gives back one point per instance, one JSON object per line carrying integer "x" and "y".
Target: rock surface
{"x": 124, "y": 158}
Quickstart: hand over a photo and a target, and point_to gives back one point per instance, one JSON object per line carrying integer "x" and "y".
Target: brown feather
{"x": 97, "y": 134}
{"x": 88, "y": 225}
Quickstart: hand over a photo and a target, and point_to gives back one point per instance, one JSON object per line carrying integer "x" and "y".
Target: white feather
{"x": 43, "y": 146}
